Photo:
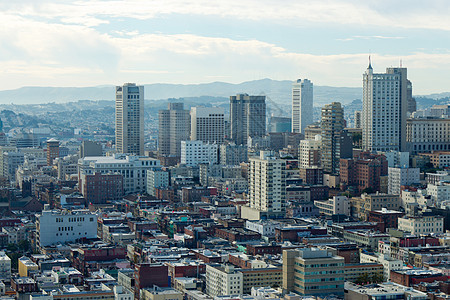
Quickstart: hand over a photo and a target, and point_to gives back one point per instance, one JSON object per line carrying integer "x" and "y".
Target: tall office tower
{"x": 174, "y": 127}
{"x": 302, "y": 104}
{"x": 130, "y": 119}
{"x": 358, "y": 116}
{"x": 208, "y": 124}
{"x": 332, "y": 125}
{"x": 247, "y": 117}
{"x": 52, "y": 151}
{"x": 385, "y": 101}
{"x": 267, "y": 190}
{"x": 412, "y": 104}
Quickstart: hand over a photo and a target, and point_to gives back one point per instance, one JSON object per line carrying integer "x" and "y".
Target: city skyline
{"x": 95, "y": 43}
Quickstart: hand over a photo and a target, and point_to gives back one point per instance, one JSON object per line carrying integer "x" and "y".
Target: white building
{"x": 384, "y": 110}
{"x": 132, "y": 168}
{"x": 265, "y": 228}
{"x": 130, "y": 119}
{"x": 309, "y": 152}
{"x": 194, "y": 153}
{"x": 397, "y": 159}
{"x": 338, "y": 205}
{"x": 401, "y": 176}
{"x": 223, "y": 280}
{"x": 5, "y": 267}
{"x": 121, "y": 293}
{"x": 208, "y": 124}
{"x": 424, "y": 224}
{"x": 439, "y": 192}
{"x": 54, "y": 226}
{"x": 156, "y": 179}
{"x": 388, "y": 263}
{"x": 302, "y": 104}
{"x": 267, "y": 177}
{"x": 412, "y": 199}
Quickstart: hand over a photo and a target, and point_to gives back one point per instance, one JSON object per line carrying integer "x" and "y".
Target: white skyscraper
{"x": 384, "y": 110}
{"x": 130, "y": 119}
{"x": 302, "y": 104}
{"x": 208, "y": 124}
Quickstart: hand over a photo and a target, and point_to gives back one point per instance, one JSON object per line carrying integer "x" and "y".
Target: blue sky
{"x": 88, "y": 43}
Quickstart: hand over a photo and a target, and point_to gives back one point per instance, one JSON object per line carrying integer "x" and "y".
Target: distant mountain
{"x": 277, "y": 91}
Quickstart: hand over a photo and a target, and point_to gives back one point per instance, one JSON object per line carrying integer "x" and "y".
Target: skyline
{"x": 91, "y": 43}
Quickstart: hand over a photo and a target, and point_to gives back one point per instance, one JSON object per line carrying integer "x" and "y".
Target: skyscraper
{"x": 358, "y": 116}
{"x": 174, "y": 127}
{"x": 385, "y": 103}
{"x": 208, "y": 124}
{"x": 332, "y": 125}
{"x": 302, "y": 104}
{"x": 247, "y": 117}
{"x": 130, "y": 119}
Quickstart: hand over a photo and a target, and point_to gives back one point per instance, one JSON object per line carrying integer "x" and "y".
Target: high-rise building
{"x": 385, "y": 103}
{"x": 208, "y": 124}
{"x": 174, "y": 127}
{"x": 52, "y": 151}
{"x": 302, "y": 104}
{"x": 130, "y": 119}
{"x": 280, "y": 124}
{"x": 412, "y": 104}
{"x": 332, "y": 125}
{"x": 267, "y": 189}
{"x": 358, "y": 116}
{"x": 247, "y": 117}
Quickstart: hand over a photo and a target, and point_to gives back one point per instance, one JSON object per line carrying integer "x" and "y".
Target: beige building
{"x": 223, "y": 280}
{"x": 361, "y": 206}
{"x": 338, "y": 205}
{"x": 424, "y": 224}
{"x": 353, "y": 272}
{"x": 313, "y": 272}
{"x": 427, "y": 134}
{"x": 261, "y": 277}
{"x": 309, "y": 153}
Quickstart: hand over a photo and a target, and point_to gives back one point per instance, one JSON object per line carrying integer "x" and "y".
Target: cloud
{"x": 371, "y": 37}
{"x": 40, "y": 50}
{"x": 414, "y": 14}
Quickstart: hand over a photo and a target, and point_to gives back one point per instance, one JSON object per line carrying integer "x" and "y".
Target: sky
{"x": 91, "y": 43}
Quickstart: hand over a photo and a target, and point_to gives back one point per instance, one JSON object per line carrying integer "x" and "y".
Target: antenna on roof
{"x": 400, "y": 62}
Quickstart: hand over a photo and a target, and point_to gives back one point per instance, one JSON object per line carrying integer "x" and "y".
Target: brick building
{"x": 385, "y": 218}
{"x": 98, "y": 188}
{"x": 363, "y": 171}
{"x": 237, "y": 234}
{"x": 148, "y": 275}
